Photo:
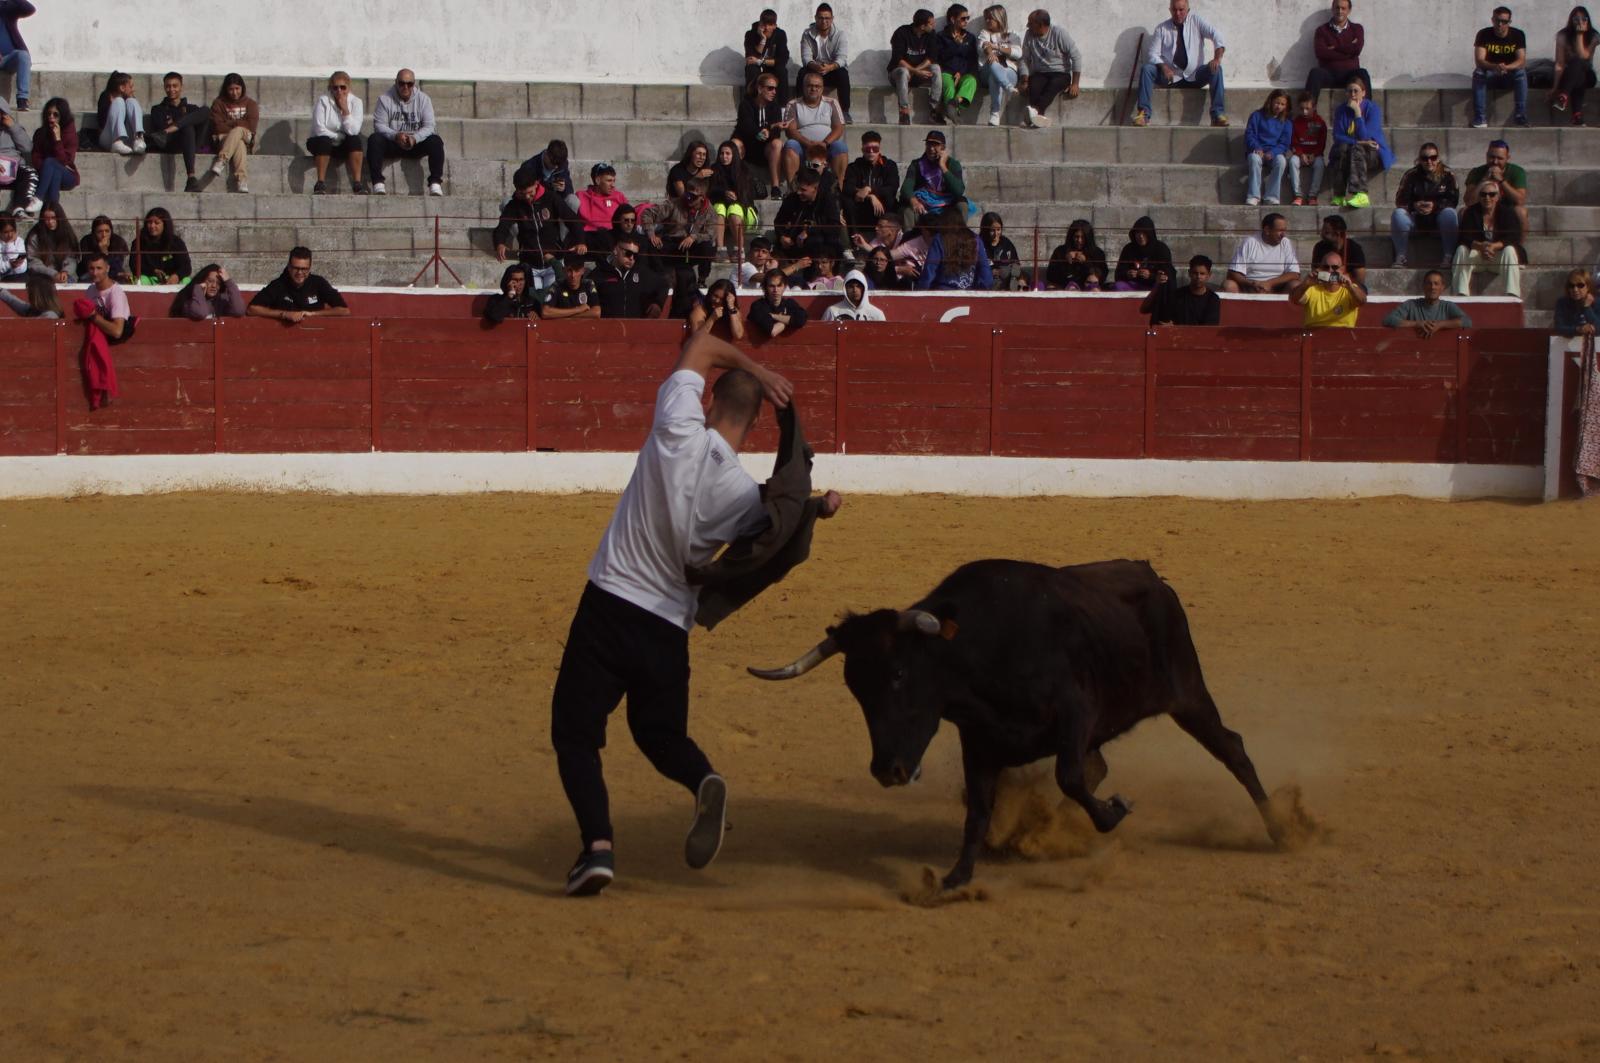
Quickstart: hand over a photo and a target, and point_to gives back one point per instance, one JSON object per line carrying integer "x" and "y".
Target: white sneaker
{"x": 1041, "y": 120}
{"x": 139, "y": 145}
{"x": 994, "y": 117}
{"x": 219, "y": 167}
{"x": 1251, "y": 201}
{"x": 240, "y": 186}
{"x": 1030, "y": 118}
{"x": 121, "y": 147}
{"x": 35, "y": 205}
{"x": 435, "y": 189}
{"x": 379, "y": 188}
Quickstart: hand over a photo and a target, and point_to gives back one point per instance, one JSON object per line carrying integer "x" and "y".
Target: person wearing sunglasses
{"x": 1426, "y": 199}
{"x": 624, "y": 289}
{"x": 871, "y": 186}
{"x": 1492, "y": 239}
{"x": 1576, "y": 312}
{"x": 336, "y": 133}
{"x": 403, "y": 125}
{"x": 1512, "y": 179}
{"x": 1500, "y": 60}
{"x": 1575, "y": 46}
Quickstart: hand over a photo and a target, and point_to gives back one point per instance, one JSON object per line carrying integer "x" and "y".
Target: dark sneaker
{"x": 192, "y": 184}
{"x": 905, "y": 117}
{"x": 1520, "y": 120}
{"x": 361, "y": 189}
{"x": 320, "y": 188}
{"x": 710, "y": 820}
{"x": 592, "y": 873}
{"x": 777, "y": 192}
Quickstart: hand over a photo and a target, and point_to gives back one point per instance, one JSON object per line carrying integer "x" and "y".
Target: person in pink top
{"x": 596, "y": 206}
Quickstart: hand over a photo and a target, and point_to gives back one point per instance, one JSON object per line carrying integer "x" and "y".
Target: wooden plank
{"x": 290, "y": 416}
{"x": 1222, "y": 448}
{"x": 282, "y": 439}
{"x": 511, "y": 386}
{"x": 1243, "y": 399}
{"x": 62, "y": 385}
{"x": 453, "y": 441}
{"x": 1381, "y": 449}
{"x": 375, "y": 382}
{"x": 426, "y": 415}
{"x": 243, "y": 392}
{"x": 220, "y": 334}
{"x": 1210, "y": 421}
{"x": 195, "y": 440}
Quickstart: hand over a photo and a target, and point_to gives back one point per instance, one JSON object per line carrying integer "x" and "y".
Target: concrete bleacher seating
{"x": 1188, "y": 176}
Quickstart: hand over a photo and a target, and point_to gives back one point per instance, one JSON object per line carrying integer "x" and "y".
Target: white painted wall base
{"x": 426, "y": 474}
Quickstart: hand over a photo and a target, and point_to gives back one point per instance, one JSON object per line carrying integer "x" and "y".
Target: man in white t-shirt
{"x": 111, "y": 311}
{"x": 687, "y": 498}
{"x": 1264, "y": 264}
{"x": 814, "y": 121}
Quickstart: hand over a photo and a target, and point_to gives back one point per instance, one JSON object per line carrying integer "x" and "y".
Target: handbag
{"x": 9, "y": 168}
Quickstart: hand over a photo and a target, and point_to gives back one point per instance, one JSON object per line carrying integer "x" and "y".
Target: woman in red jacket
{"x": 55, "y": 151}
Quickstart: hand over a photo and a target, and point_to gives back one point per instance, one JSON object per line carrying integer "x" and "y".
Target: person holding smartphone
{"x": 1330, "y": 298}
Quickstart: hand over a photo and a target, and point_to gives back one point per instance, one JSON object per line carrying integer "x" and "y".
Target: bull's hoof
{"x": 1110, "y": 813}
{"x": 957, "y": 878}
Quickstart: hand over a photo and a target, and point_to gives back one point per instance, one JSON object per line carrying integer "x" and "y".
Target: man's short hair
{"x": 523, "y": 179}
{"x": 871, "y": 136}
{"x": 625, "y": 238}
{"x": 169, "y": 75}
{"x": 556, "y": 153}
{"x": 768, "y": 17}
{"x": 1502, "y": 10}
{"x": 770, "y": 274}
{"x": 1337, "y": 221}
{"x": 760, "y": 243}
{"x": 808, "y": 178}
{"x": 1434, "y": 273}
{"x": 737, "y": 393}
{"x": 697, "y": 185}
{"x": 572, "y": 261}
{"x": 1304, "y": 96}
{"x": 1039, "y": 15}
{"x": 920, "y": 16}
{"x": 824, "y": 7}
{"x": 809, "y": 75}
{"x": 1200, "y": 260}
{"x": 95, "y": 256}
{"x": 299, "y": 252}
{"x": 1272, "y": 219}
{"x": 1500, "y": 144}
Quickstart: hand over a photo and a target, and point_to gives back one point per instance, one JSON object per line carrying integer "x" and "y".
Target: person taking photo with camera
{"x": 1329, "y": 296}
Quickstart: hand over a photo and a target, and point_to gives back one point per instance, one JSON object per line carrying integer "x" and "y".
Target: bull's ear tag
{"x": 948, "y": 629}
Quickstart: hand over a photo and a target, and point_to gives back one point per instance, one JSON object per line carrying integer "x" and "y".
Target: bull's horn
{"x": 919, "y": 620}
{"x": 807, "y": 661}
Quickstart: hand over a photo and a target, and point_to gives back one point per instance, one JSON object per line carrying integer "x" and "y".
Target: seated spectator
{"x": 1492, "y": 239}
{"x": 1078, "y": 265}
{"x": 808, "y": 221}
{"x": 53, "y": 246}
{"x": 1175, "y": 58}
{"x": 823, "y": 50}
{"x": 210, "y": 294}
{"x": 121, "y": 117}
{"x": 680, "y": 231}
{"x": 1360, "y": 150}
{"x": 696, "y": 162}
{"x": 855, "y": 306}
{"x": 1430, "y": 313}
{"x": 1512, "y": 179}
{"x": 534, "y": 217}
{"x": 1338, "y": 44}
{"x": 16, "y": 150}
{"x": 336, "y": 133}
{"x": 1004, "y": 262}
{"x": 822, "y": 275}
{"x": 39, "y": 298}
{"x": 932, "y": 183}
{"x": 1264, "y": 264}
{"x": 625, "y": 292}
{"x": 550, "y": 168}
{"x": 1000, "y": 53}
{"x": 574, "y": 295}
{"x": 13, "y": 250}
{"x": 518, "y": 297}
{"x": 14, "y": 54}
{"x": 758, "y": 132}
{"x": 1335, "y": 236}
{"x": 1308, "y": 141}
{"x": 178, "y": 126}
{"x": 956, "y": 258}
{"x": 772, "y": 315}
{"x": 1051, "y": 66}
{"x": 810, "y": 121}
{"x": 766, "y": 51}
{"x": 1575, "y": 46}
{"x": 1500, "y": 58}
{"x": 105, "y": 314}
{"x": 55, "y": 151}
{"x": 733, "y": 200}
{"x": 596, "y": 206}
{"x": 880, "y": 272}
{"x": 1576, "y": 312}
{"x": 1330, "y": 296}
{"x": 159, "y": 254}
{"x": 871, "y": 187}
{"x": 717, "y": 312}
{"x": 234, "y": 119}
{"x": 1143, "y": 257}
{"x": 403, "y": 125}
{"x": 102, "y": 240}
{"x": 958, "y": 59}
{"x": 755, "y": 266}
{"x": 1426, "y": 199}
{"x": 1193, "y": 304}
{"x": 297, "y": 294}
{"x": 1267, "y": 137}
{"x": 913, "y": 61}
{"x": 625, "y": 222}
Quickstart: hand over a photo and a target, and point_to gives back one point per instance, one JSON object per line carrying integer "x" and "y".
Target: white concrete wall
{"x": 677, "y": 42}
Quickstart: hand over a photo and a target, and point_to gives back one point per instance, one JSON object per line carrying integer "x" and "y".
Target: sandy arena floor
{"x": 275, "y": 784}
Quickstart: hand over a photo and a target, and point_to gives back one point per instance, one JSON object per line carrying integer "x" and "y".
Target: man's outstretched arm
{"x": 704, "y": 353}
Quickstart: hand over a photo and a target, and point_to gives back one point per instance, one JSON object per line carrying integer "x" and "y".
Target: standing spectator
{"x": 104, "y": 312}
{"x": 855, "y": 306}
{"x": 1512, "y": 179}
{"x": 597, "y": 204}
{"x": 1144, "y": 259}
{"x": 1360, "y": 150}
{"x": 718, "y": 312}
{"x": 958, "y": 58}
{"x": 160, "y": 256}
{"x": 16, "y": 149}
{"x": 1193, "y": 304}
{"x": 681, "y": 231}
{"x": 624, "y": 291}
{"x": 1500, "y": 58}
{"x": 1051, "y": 67}
{"x": 13, "y": 250}
{"x": 1492, "y": 239}
{"x": 1335, "y": 236}
{"x": 52, "y": 245}
{"x": 1078, "y": 264}
{"x": 1338, "y": 44}
{"x": 211, "y": 294}
{"x": 517, "y": 297}
{"x": 881, "y": 274}
{"x": 1264, "y": 264}
{"x": 176, "y": 126}
{"x": 1426, "y": 199}
{"x": 956, "y": 258}
{"x": 1575, "y": 46}
{"x": 733, "y": 200}
{"x": 1175, "y": 59}
{"x": 759, "y": 130}
{"x": 40, "y": 298}
{"x": 808, "y": 221}
{"x": 102, "y": 240}
{"x": 913, "y": 61}
{"x": 234, "y": 119}
{"x": 1576, "y": 313}
{"x": 336, "y": 133}
{"x": 297, "y": 294}
{"x": 871, "y": 185}
{"x": 1000, "y": 52}
{"x": 766, "y": 51}
{"x": 772, "y": 315}
{"x": 696, "y": 162}
{"x": 813, "y": 121}
{"x": 533, "y": 217}
{"x": 14, "y": 54}
{"x": 1308, "y": 141}
{"x": 574, "y": 295}
{"x": 1004, "y": 261}
{"x": 550, "y": 168}
{"x": 403, "y": 124}
{"x": 932, "y": 183}
{"x": 823, "y": 50}
{"x": 1268, "y": 136}
{"x": 1329, "y": 297}
{"x": 1430, "y": 313}
{"x": 121, "y": 118}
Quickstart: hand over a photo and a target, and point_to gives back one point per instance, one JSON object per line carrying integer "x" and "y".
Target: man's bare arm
{"x": 705, "y": 352}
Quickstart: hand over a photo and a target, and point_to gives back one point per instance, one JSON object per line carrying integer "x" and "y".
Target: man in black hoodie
{"x": 808, "y": 223}
{"x": 534, "y": 216}
{"x": 516, "y": 299}
{"x": 1143, "y": 258}
{"x": 871, "y": 185}
{"x": 175, "y": 124}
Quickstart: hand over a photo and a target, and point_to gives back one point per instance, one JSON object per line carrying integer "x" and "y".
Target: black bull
{"x": 1027, "y": 662}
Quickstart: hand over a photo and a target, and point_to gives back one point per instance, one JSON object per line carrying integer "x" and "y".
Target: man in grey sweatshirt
{"x": 1051, "y": 65}
{"x": 16, "y": 147}
{"x": 823, "y": 50}
{"x": 402, "y": 124}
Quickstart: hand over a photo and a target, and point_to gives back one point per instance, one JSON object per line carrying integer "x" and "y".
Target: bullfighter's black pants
{"x": 615, "y": 648}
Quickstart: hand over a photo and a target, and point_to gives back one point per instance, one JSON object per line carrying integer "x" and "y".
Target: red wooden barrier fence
{"x": 1100, "y": 391}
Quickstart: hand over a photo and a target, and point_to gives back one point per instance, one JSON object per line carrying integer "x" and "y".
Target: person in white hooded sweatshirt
{"x": 402, "y": 124}
{"x": 855, "y": 306}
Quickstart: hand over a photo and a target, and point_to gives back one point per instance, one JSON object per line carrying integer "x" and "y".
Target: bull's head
{"x": 888, "y": 666}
